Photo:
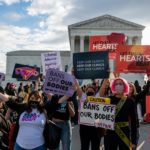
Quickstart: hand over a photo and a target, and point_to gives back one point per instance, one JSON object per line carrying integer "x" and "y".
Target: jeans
{"x": 17, "y": 147}
{"x": 66, "y": 134}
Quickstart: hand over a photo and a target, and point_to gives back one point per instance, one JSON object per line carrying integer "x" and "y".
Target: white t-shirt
{"x": 31, "y": 126}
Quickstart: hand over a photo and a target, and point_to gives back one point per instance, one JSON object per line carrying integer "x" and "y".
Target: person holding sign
{"x": 124, "y": 136}
{"x": 60, "y": 109}
{"x": 88, "y": 134}
{"x": 30, "y": 123}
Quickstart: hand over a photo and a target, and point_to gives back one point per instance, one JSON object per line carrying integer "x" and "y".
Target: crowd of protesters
{"x": 28, "y": 107}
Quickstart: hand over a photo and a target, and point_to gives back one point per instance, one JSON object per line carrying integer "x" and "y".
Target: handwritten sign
{"x": 51, "y": 60}
{"x": 58, "y": 82}
{"x": 100, "y": 115}
{"x": 25, "y": 72}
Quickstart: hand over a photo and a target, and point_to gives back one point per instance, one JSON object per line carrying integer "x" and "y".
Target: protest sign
{"x": 2, "y": 76}
{"x": 89, "y": 65}
{"x": 58, "y": 82}
{"x": 147, "y": 104}
{"x": 25, "y": 72}
{"x": 133, "y": 59}
{"x": 107, "y": 43}
{"x": 100, "y": 115}
{"x": 51, "y": 60}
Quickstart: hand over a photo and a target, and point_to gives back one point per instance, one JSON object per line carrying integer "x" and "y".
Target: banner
{"x": 25, "y": 72}
{"x": 2, "y": 76}
{"x": 133, "y": 59}
{"x": 89, "y": 65}
{"x": 50, "y": 60}
{"x": 107, "y": 43}
{"x": 99, "y": 115}
{"x": 58, "y": 82}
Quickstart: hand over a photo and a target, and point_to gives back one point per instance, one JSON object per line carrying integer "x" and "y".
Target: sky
{"x": 43, "y": 24}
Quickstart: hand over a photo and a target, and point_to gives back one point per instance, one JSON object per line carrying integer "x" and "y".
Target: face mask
{"x": 34, "y": 104}
{"x": 119, "y": 88}
{"x": 89, "y": 93}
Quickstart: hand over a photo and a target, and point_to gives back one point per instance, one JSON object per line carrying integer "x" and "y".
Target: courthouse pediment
{"x": 106, "y": 22}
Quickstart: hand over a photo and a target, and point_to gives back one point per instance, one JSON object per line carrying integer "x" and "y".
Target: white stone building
{"x": 104, "y": 25}
{"x": 79, "y": 42}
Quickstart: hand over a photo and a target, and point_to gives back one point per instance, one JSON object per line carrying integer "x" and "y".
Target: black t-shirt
{"x": 57, "y": 110}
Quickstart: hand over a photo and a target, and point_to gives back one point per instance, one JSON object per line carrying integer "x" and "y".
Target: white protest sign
{"x": 100, "y": 115}
{"x": 51, "y": 60}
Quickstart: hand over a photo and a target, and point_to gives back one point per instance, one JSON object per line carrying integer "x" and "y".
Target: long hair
{"x": 37, "y": 96}
{"x": 134, "y": 88}
{"x": 125, "y": 83}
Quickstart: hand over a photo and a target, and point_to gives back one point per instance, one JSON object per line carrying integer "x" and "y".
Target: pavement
{"x": 144, "y": 140}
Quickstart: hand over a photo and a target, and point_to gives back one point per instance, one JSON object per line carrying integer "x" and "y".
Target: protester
{"x": 137, "y": 86}
{"x": 31, "y": 121}
{"x": 133, "y": 95}
{"x": 4, "y": 130}
{"x": 141, "y": 97}
{"x": 60, "y": 109}
{"x": 4, "y": 125}
{"x": 125, "y": 120}
{"x": 89, "y": 134}
{"x": 7, "y": 87}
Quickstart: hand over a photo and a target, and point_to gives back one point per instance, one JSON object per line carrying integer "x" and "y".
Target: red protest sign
{"x": 147, "y": 104}
{"x": 133, "y": 58}
{"x": 107, "y": 42}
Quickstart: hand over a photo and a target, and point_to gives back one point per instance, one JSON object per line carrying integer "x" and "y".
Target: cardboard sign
{"x": 51, "y": 60}
{"x": 58, "y": 82}
{"x": 89, "y": 65}
{"x": 2, "y": 76}
{"x": 133, "y": 59}
{"x": 107, "y": 43}
{"x": 100, "y": 115}
{"x": 25, "y": 72}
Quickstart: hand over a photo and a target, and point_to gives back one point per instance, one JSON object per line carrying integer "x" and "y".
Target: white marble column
{"x": 129, "y": 40}
{"x": 138, "y": 42}
{"x": 72, "y": 45}
{"x": 81, "y": 43}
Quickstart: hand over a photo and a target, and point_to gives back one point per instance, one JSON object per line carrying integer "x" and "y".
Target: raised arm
{"x": 78, "y": 89}
{"x": 104, "y": 87}
{"x": 4, "y": 97}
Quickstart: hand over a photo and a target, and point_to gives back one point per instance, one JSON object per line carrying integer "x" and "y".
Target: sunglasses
{"x": 32, "y": 102}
